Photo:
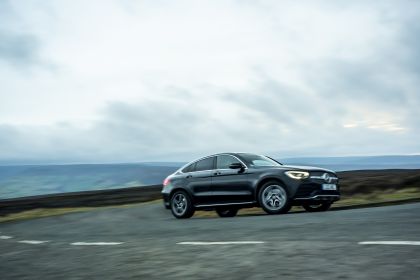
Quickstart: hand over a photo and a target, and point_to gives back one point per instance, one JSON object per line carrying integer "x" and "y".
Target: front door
{"x": 230, "y": 185}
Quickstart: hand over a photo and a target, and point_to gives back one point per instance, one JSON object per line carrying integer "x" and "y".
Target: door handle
{"x": 217, "y": 173}
{"x": 188, "y": 176}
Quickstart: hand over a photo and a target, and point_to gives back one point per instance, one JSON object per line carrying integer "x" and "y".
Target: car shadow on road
{"x": 246, "y": 212}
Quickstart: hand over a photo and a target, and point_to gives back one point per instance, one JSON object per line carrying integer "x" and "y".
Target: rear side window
{"x": 189, "y": 168}
{"x": 204, "y": 164}
{"x": 224, "y": 161}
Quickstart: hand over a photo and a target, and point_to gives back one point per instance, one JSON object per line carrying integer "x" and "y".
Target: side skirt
{"x": 241, "y": 204}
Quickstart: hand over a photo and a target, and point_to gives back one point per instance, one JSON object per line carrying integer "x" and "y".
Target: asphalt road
{"x": 142, "y": 242}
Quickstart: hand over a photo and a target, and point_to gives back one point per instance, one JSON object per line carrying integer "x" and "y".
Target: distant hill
{"x": 358, "y": 162}
{"x": 28, "y": 180}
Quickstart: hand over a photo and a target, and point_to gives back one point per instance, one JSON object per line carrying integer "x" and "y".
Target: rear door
{"x": 230, "y": 185}
{"x": 199, "y": 178}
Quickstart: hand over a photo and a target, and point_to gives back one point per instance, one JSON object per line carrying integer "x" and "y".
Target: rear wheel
{"x": 226, "y": 212}
{"x": 273, "y": 198}
{"x": 181, "y": 205}
{"x": 322, "y": 206}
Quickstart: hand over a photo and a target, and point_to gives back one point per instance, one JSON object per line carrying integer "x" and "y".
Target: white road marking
{"x": 390, "y": 243}
{"x": 5, "y": 237}
{"x": 220, "y": 243}
{"x": 34, "y": 242}
{"x": 95, "y": 243}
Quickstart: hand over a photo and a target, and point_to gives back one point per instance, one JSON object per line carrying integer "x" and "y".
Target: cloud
{"x": 165, "y": 80}
{"x": 17, "y": 49}
{"x": 178, "y": 129}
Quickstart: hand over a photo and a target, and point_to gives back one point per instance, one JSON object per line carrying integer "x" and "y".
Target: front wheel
{"x": 273, "y": 198}
{"x": 226, "y": 212}
{"x": 181, "y": 205}
{"x": 323, "y": 206}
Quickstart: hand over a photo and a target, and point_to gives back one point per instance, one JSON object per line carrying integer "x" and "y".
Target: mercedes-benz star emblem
{"x": 327, "y": 178}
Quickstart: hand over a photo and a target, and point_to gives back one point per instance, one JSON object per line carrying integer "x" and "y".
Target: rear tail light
{"x": 166, "y": 182}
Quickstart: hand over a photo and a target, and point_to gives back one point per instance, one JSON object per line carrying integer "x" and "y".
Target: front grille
{"x": 319, "y": 176}
{"x": 309, "y": 190}
{"x": 306, "y": 190}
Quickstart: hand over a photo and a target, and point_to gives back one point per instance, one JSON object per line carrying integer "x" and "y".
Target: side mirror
{"x": 236, "y": 165}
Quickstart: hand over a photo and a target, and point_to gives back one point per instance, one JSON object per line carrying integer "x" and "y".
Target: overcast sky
{"x": 124, "y": 81}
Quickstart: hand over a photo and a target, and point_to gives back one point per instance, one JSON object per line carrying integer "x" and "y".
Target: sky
{"x": 130, "y": 81}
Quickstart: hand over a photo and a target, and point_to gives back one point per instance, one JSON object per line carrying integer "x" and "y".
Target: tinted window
{"x": 224, "y": 161}
{"x": 189, "y": 168}
{"x": 257, "y": 160}
{"x": 204, "y": 164}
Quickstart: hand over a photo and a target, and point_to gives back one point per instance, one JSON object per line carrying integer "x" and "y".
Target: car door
{"x": 230, "y": 185}
{"x": 198, "y": 180}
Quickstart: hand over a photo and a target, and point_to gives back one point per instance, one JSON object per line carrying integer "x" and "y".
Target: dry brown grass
{"x": 360, "y": 199}
{"x": 47, "y": 212}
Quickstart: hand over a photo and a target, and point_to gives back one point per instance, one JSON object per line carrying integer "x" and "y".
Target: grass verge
{"x": 48, "y": 212}
{"x": 355, "y": 201}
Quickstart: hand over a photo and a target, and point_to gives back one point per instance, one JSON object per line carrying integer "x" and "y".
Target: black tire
{"x": 323, "y": 206}
{"x": 181, "y": 205}
{"x": 280, "y": 204}
{"x": 226, "y": 212}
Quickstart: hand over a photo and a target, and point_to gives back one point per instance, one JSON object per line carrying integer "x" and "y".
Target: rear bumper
{"x": 166, "y": 203}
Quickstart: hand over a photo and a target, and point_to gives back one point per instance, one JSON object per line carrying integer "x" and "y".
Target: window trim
{"x": 214, "y": 163}
{"x": 230, "y": 156}
{"x": 187, "y": 165}
{"x": 195, "y": 163}
{"x": 281, "y": 164}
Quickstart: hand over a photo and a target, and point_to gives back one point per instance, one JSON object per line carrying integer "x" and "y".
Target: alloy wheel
{"x": 274, "y": 197}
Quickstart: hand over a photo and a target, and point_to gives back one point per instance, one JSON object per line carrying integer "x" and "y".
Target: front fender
{"x": 291, "y": 185}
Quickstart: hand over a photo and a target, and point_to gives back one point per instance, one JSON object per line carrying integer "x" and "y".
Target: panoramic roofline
{"x": 232, "y": 153}
{"x": 236, "y": 155}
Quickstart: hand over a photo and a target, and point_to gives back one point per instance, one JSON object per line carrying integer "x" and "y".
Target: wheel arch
{"x": 174, "y": 190}
{"x": 268, "y": 179}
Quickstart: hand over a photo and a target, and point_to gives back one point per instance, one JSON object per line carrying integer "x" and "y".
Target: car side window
{"x": 224, "y": 161}
{"x": 204, "y": 164}
{"x": 189, "y": 168}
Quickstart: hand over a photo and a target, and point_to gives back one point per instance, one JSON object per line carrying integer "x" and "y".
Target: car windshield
{"x": 259, "y": 161}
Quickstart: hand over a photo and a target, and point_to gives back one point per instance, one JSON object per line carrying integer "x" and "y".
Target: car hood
{"x": 306, "y": 168}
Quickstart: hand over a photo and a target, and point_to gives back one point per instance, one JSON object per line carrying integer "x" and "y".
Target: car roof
{"x": 230, "y": 153}
{"x": 238, "y": 155}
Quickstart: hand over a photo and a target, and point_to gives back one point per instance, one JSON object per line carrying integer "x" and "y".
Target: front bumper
{"x": 312, "y": 191}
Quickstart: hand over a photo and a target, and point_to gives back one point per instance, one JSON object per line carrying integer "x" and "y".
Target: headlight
{"x": 298, "y": 175}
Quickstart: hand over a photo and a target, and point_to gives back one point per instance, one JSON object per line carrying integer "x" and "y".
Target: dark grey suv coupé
{"x": 229, "y": 181}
